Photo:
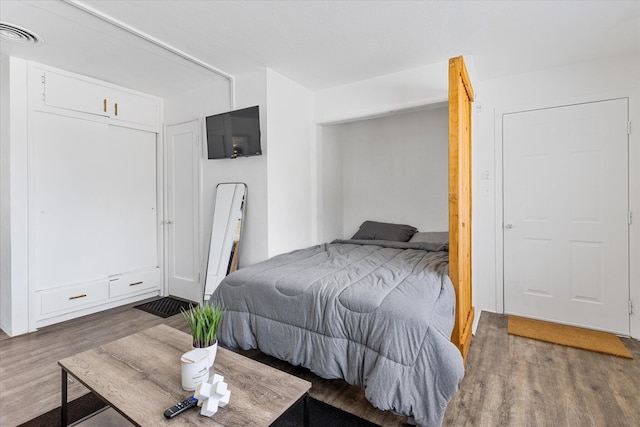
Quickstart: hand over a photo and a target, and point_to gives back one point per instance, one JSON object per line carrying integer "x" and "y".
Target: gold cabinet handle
{"x": 135, "y": 284}
{"x": 78, "y": 296}
{"x": 104, "y": 105}
{"x": 115, "y": 108}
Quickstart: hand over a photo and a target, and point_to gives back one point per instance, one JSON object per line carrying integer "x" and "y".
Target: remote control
{"x": 180, "y": 407}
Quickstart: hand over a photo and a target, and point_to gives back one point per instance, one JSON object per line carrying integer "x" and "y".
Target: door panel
{"x": 183, "y": 206}
{"x": 565, "y": 214}
{"x": 133, "y": 236}
{"x": 69, "y": 220}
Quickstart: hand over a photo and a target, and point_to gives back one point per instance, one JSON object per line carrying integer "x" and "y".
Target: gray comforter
{"x": 377, "y": 314}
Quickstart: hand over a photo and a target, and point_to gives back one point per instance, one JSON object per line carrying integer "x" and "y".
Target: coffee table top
{"x": 140, "y": 377}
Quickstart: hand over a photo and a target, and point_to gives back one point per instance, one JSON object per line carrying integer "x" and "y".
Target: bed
{"x": 376, "y": 313}
{"x": 406, "y": 342}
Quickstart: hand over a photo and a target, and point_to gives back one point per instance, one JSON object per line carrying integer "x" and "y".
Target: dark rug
{"x": 76, "y": 410}
{"x": 165, "y": 307}
{"x": 320, "y": 415}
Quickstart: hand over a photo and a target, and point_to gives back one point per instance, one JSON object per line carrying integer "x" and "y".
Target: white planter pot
{"x": 213, "y": 349}
{"x": 195, "y": 368}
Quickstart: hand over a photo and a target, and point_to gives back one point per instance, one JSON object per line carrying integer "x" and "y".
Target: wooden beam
{"x": 461, "y": 96}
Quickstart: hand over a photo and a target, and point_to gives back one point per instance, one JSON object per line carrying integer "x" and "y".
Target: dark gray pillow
{"x": 438, "y": 237}
{"x": 371, "y": 230}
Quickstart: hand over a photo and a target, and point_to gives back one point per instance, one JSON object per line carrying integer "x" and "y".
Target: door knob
{"x": 169, "y": 222}
{"x": 508, "y": 226}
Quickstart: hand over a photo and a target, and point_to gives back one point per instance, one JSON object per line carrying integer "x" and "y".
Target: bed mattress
{"x": 377, "y": 314}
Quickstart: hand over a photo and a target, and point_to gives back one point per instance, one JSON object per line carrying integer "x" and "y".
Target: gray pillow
{"x": 371, "y": 230}
{"x": 438, "y": 237}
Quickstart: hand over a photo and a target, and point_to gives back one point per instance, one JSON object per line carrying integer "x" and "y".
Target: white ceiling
{"x": 319, "y": 44}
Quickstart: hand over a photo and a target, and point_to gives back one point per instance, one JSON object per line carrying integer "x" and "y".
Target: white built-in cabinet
{"x": 93, "y": 226}
{"x": 74, "y": 93}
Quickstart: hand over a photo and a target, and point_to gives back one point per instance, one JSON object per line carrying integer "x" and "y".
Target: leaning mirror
{"x": 228, "y": 213}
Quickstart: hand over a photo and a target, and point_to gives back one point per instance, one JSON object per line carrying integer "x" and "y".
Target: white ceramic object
{"x": 212, "y": 349}
{"x": 212, "y": 395}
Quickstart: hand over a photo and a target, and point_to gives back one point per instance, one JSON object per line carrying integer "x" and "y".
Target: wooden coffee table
{"x": 139, "y": 376}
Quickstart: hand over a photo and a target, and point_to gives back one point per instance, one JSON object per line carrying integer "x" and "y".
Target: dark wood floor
{"x": 510, "y": 381}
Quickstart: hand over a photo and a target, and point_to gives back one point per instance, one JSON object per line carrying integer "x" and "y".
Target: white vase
{"x": 195, "y": 368}
{"x": 212, "y": 349}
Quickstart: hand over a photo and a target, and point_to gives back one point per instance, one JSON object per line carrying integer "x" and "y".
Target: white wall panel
{"x": 289, "y": 112}
{"x": 381, "y": 95}
{"x": 394, "y": 169}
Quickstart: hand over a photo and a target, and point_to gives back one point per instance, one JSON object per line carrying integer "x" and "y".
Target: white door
{"x": 566, "y": 215}
{"x": 133, "y": 219}
{"x": 182, "y": 222}
{"x": 69, "y": 208}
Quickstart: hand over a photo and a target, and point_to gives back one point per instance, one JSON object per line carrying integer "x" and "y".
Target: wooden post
{"x": 460, "y": 98}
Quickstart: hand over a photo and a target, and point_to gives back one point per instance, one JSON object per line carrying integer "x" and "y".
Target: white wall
{"x": 5, "y": 218}
{"x": 381, "y": 95}
{"x": 213, "y": 99}
{"x": 278, "y": 208}
{"x": 14, "y": 291}
{"x": 591, "y": 81}
{"x": 329, "y": 204}
{"x": 186, "y": 106}
{"x": 289, "y": 114}
{"x": 394, "y": 169}
{"x": 367, "y": 99}
{"x": 250, "y": 91}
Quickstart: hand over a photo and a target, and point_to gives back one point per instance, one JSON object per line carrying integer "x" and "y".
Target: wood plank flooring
{"x": 29, "y": 371}
{"x": 510, "y": 381}
{"x": 515, "y": 381}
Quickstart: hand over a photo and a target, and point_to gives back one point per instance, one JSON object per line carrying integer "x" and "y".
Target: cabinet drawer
{"x": 134, "y": 282}
{"x": 69, "y": 298}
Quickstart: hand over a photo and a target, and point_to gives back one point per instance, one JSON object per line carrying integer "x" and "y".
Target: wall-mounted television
{"x": 234, "y": 134}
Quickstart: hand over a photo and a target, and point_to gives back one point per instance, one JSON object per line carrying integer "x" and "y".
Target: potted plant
{"x": 204, "y": 322}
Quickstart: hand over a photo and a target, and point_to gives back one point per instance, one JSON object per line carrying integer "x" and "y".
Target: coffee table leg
{"x": 306, "y": 409}
{"x": 63, "y": 406}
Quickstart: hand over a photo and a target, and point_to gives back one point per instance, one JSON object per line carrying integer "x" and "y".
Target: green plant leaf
{"x": 204, "y": 322}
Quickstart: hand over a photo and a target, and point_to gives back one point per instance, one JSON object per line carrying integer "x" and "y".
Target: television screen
{"x": 234, "y": 134}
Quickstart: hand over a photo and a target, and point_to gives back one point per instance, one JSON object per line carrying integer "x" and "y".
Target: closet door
{"x": 68, "y": 216}
{"x": 132, "y": 221}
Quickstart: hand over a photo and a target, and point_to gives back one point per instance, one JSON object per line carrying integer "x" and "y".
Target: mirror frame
{"x": 226, "y": 232}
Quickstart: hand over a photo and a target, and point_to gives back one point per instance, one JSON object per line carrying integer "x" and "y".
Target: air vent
{"x": 13, "y": 33}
